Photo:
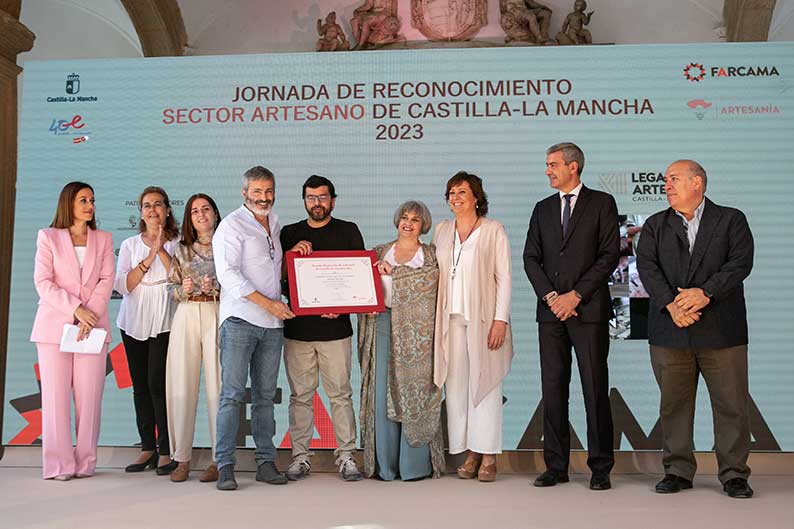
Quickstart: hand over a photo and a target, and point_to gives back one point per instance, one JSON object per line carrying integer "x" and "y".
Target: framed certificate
{"x": 339, "y": 282}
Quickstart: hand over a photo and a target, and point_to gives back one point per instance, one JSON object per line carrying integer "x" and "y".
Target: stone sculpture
{"x": 376, "y": 23}
{"x": 332, "y": 37}
{"x": 573, "y": 29}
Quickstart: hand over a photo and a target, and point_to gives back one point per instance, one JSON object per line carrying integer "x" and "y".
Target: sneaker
{"x": 349, "y": 470}
{"x": 298, "y": 469}
{"x": 226, "y": 479}
{"x": 269, "y": 473}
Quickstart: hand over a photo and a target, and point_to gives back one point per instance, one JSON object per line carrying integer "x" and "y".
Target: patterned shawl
{"x": 412, "y": 397}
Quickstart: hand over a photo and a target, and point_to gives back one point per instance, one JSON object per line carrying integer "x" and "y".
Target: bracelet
{"x": 550, "y": 296}
{"x": 143, "y": 268}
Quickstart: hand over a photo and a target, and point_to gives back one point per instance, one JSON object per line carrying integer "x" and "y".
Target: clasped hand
{"x": 685, "y": 308}
{"x": 564, "y": 305}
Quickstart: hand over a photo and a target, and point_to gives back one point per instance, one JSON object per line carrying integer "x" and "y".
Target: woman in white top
{"x": 473, "y": 341}
{"x": 145, "y": 321}
{"x": 74, "y": 278}
{"x": 400, "y": 405}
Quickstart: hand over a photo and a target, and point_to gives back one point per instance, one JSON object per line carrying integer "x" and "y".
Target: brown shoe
{"x": 487, "y": 473}
{"x": 469, "y": 468}
{"x": 210, "y": 474}
{"x": 179, "y": 474}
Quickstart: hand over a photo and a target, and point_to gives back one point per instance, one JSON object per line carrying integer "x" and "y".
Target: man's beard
{"x": 319, "y": 213}
{"x": 259, "y": 207}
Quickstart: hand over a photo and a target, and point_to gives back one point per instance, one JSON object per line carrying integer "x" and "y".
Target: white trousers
{"x": 193, "y": 344}
{"x": 476, "y": 428}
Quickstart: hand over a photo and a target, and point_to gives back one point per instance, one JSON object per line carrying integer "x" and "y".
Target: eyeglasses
{"x": 316, "y": 198}
{"x": 271, "y": 247}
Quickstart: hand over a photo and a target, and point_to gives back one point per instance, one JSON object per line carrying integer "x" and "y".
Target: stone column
{"x": 748, "y": 20}
{"x": 15, "y": 38}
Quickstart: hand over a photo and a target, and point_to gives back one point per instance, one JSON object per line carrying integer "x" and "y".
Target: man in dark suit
{"x": 692, "y": 259}
{"x": 572, "y": 248}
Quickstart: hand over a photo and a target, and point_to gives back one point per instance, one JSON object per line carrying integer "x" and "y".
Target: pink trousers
{"x": 64, "y": 374}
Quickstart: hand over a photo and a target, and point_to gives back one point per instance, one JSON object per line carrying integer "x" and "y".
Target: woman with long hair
{"x": 194, "y": 334}
{"x": 73, "y": 275}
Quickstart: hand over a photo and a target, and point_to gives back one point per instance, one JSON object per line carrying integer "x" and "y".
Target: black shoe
{"x": 150, "y": 464}
{"x": 268, "y": 473}
{"x": 226, "y": 479}
{"x": 550, "y": 478}
{"x": 672, "y": 483}
{"x": 738, "y": 488}
{"x": 167, "y": 468}
{"x": 600, "y": 482}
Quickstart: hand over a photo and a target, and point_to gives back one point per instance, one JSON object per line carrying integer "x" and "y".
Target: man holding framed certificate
{"x": 320, "y": 346}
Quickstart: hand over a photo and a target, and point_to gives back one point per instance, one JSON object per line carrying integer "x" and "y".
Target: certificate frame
{"x": 330, "y": 255}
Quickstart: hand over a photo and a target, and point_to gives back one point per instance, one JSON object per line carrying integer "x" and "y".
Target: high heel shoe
{"x": 469, "y": 468}
{"x": 487, "y": 473}
{"x": 149, "y": 464}
{"x": 167, "y": 468}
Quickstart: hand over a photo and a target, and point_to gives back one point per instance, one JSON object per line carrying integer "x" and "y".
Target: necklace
{"x": 456, "y": 260}
{"x": 205, "y": 240}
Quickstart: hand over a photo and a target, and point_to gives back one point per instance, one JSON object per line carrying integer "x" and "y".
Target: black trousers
{"x": 146, "y": 360}
{"x": 591, "y": 343}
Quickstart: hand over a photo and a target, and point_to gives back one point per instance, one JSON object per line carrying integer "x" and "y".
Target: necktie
{"x": 566, "y": 213}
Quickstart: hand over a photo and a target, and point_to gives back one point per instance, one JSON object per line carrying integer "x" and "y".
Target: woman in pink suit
{"x": 74, "y": 278}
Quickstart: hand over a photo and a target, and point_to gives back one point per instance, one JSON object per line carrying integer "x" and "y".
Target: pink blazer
{"x": 62, "y": 287}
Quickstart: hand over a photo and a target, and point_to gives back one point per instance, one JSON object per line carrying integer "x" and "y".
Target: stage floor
{"x": 113, "y": 499}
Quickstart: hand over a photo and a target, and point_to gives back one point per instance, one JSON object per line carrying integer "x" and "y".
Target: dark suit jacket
{"x": 583, "y": 261}
{"x": 721, "y": 259}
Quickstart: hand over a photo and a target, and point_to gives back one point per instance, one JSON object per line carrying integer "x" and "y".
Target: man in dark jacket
{"x": 572, "y": 248}
{"x": 692, "y": 259}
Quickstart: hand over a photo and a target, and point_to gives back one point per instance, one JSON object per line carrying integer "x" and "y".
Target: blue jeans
{"x": 243, "y": 344}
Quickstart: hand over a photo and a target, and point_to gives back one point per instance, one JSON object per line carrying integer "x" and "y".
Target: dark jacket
{"x": 583, "y": 261}
{"x": 721, "y": 259}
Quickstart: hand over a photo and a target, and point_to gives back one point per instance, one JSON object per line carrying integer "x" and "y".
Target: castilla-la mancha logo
{"x": 73, "y": 84}
{"x": 694, "y": 72}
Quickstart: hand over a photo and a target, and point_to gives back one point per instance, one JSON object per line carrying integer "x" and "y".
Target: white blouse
{"x": 463, "y": 254}
{"x": 148, "y": 310}
{"x": 80, "y": 252}
{"x": 416, "y": 262}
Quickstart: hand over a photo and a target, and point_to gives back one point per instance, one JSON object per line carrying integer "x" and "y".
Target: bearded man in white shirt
{"x": 248, "y": 263}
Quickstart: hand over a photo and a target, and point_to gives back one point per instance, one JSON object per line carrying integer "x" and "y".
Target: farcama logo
{"x": 696, "y": 72}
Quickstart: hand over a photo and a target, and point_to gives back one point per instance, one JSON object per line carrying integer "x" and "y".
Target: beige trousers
{"x": 306, "y": 362}
{"x": 193, "y": 344}
{"x": 476, "y": 428}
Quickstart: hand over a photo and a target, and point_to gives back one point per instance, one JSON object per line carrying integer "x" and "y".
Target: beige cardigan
{"x": 492, "y": 258}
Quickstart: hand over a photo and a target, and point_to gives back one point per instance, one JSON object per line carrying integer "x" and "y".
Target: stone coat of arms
{"x": 449, "y": 20}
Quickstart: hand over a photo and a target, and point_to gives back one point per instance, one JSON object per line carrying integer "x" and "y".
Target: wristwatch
{"x": 707, "y": 293}
{"x": 578, "y": 295}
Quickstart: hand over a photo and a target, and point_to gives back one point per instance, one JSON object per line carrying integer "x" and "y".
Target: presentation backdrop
{"x": 390, "y": 126}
